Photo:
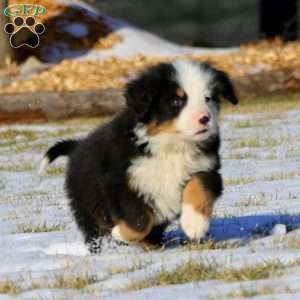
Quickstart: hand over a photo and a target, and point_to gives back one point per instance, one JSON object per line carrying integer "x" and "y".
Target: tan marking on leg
{"x": 196, "y": 195}
{"x": 196, "y": 209}
{"x": 127, "y": 233}
{"x": 165, "y": 127}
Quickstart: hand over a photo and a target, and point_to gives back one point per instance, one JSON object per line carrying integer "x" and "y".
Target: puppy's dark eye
{"x": 207, "y": 98}
{"x": 177, "y": 102}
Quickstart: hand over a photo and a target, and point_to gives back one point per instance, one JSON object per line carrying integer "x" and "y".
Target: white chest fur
{"x": 159, "y": 178}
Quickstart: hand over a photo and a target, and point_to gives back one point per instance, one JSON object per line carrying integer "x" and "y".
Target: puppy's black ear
{"x": 139, "y": 96}
{"x": 225, "y": 87}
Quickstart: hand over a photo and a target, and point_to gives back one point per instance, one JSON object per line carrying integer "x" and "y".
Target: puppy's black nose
{"x": 204, "y": 119}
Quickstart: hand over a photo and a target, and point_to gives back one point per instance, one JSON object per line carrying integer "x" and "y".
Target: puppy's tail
{"x": 64, "y": 147}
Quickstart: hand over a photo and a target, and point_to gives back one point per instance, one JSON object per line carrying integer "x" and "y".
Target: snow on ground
{"x": 140, "y": 42}
{"x": 43, "y": 257}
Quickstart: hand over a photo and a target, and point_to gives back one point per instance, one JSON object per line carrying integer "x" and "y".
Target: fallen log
{"x": 59, "y": 105}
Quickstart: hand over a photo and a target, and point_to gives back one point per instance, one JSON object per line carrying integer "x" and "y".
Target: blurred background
{"x": 209, "y": 23}
{"x": 97, "y": 46}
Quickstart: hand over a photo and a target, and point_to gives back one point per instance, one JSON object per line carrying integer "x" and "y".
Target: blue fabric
{"x": 246, "y": 227}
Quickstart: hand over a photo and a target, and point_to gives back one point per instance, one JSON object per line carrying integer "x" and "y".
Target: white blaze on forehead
{"x": 194, "y": 80}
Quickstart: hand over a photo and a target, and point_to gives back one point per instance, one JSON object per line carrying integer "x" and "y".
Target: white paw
{"x": 116, "y": 234}
{"x": 194, "y": 224}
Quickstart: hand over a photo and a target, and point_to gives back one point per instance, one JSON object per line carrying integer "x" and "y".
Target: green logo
{"x": 24, "y": 24}
{"x": 23, "y": 10}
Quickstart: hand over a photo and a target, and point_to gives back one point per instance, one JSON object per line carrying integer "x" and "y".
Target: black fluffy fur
{"x": 97, "y": 183}
{"x": 96, "y": 180}
{"x": 61, "y": 148}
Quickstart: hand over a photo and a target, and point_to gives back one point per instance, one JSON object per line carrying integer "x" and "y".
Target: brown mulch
{"x": 260, "y": 68}
{"x": 71, "y": 75}
{"x": 263, "y": 67}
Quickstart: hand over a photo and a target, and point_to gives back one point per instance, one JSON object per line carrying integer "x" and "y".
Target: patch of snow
{"x": 67, "y": 249}
{"x": 279, "y": 229}
{"x": 140, "y": 42}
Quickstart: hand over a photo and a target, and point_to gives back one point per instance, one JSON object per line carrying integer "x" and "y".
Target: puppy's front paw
{"x": 194, "y": 224}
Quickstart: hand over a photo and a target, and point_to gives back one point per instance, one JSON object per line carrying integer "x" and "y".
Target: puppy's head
{"x": 180, "y": 98}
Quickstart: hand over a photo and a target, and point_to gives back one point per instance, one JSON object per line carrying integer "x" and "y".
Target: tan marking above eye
{"x": 180, "y": 93}
{"x": 166, "y": 127}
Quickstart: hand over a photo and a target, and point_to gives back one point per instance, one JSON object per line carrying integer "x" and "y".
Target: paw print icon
{"x": 24, "y": 32}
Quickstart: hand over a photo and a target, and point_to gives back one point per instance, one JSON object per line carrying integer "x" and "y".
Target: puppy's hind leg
{"x": 133, "y": 229}
{"x": 91, "y": 231}
{"x": 94, "y": 240}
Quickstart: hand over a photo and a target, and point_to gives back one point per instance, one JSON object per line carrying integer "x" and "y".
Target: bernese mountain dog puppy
{"x": 155, "y": 161}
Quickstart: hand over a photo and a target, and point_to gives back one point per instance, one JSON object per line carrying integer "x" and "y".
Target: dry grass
{"x": 294, "y": 243}
{"x": 282, "y": 176}
{"x": 59, "y": 282}
{"x": 240, "y": 180}
{"x": 39, "y": 147}
{"x": 211, "y": 245}
{"x": 248, "y": 123}
{"x": 55, "y": 171}
{"x": 256, "y": 142}
{"x": 13, "y": 134}
{"x": 240, "y": 155}
{"x": 197, "y": 246}
{"x": 76, "y": 282}
{"x": 23, "y": 166}
{"x": 271, "y": 177}
{"x": 236, "y": 154}
{"x": 11, "y": 137}
{"x": 8, "y": 287}
{"x": 244, "y": 292}
{"x": 138, "y": 265}
{"x": 199, "y": 271}
{"x": 263, "y": 141}
{"x": 35, "y": 228}
{"x": 263, "y": 271}
{"x": 26, "y": 197}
